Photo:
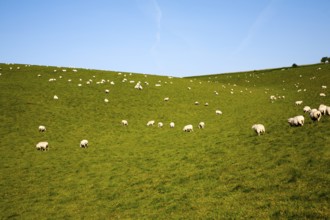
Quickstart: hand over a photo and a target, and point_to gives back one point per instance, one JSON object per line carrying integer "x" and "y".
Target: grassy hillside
{"x": 223, "y": 171}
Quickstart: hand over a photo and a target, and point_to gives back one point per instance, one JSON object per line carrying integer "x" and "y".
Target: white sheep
{"x": 188, "y": 128}
{"x": 42, "y": 146}
{"x": 206, "y": 104}
{"x": 84, "y": 143}
{"x": 218, "y": 112}
{"x": 315, "y": 115}
{"x": 298, "y": 102}
{"x": 172, "y": 125}
{"x": 307, "y": 109}
{"x": 160, "y": 124}
{"x": 166, "y": 99}
{"x": 124, "y": 122}
{"x": 259, "y": 128}
{"x": 201, "y": 125}
{"x": 151, "y": 123}
{"x": 322, "y": 109}
{"x": 322, "y": 94}
{"x": 297, "y": 120}
{"x": 327, "y": 111}
{"x": 55, "y": 97}
{"x": 42, "y": 128}
{"x": 106, "y": 91}
{"x": 196, "y": 103}
{"x": 106, "y": 100}
{"x": 324, "y": 87}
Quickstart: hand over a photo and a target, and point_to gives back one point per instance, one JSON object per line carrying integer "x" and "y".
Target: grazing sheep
{"x": 327, "y": 111}
{"x": 106, "y": 91}
{"x": 106, "y": 100}
{"x": 151, "y": 123}
{"x": 172, "y": 125}
{"x": 138, "y": 86}
{"x": 206, "y": 104}
{"x": 196, "y": 103}
{"x": 322, "y": 109}
{"x": 307, "y": 109}
{"x": 298, "y": 102}
{"x": 297, "y": 120}
{"x": 201, "y": 125}
{"x": 324, "y": 87}
{"x": 84, "y": 143}
{"x": 259, "y": 129}
{"x": 218, "y": 112}
{"x": 42, "y": 128}
{"x": 166, "y": 99}
{"x": 43, "y": 146}
{"x": 322, "y": 94}
{"x": 315, "y": 114}
{"x": 160, "y": 124}
{"x": 55, "y": 97}
{"x": 188, "y": 128}
{"x": 124, "y": 122}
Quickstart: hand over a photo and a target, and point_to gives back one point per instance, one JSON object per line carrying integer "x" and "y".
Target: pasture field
{"x": 224, "y": 171}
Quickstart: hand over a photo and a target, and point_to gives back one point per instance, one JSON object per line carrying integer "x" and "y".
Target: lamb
{"x": 172, "y": 125}
{"x": 307, "y": 109}
{"x": 42, "y": 128}
{"x": 160, "y": 124}
{"x": 298, "y": 102}
{"x": 188, "y": 128}
{"x": 151, "y": 123}
{"x": 201, "y": 125}
{"x": 43, "y": 146}
{"x": 84, "y": 143}
{"x": 297, "y": 120}
{"x": 315, "y": 115}
{"x": 218, "y": 112}
{"x": 124, "y": 122}
{"x": 259, "y": 128}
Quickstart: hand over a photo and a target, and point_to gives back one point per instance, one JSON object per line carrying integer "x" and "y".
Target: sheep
{"x": 315, "y": 115}
{"x": 327, "y": 111}
{"x": 307, "y": 109}
{"x": 84, "y": 143}
{"x": 322, "y": 94}
{"x": 297, "y": 120}
{"x": 43, "y": 146}
{"x": 188, "y": 128}
{"x": 55, "y": 97}
{"x": 201, "y": 125}
{"x": 259, "y": 128}
{"x": 322, "y": 109}
{"x": 298, "y": 102}
{"x": 151, "y": 123}
{"x": 138, "y": 86}
{"x": 106, "y": 100}
{"x": 206, "y": 104}
{"x": 172, "y": 125}
{"x": 324, "y": 87}
{"x": 160, "y": 124}
{"x": 196, "y": 103}
{"x": 166, "y": 99}
{"x": 124, "y": 122}
{"x": 106, "y": 91}
{"x": 42, "y": 128}
{"x": 218, "y": 112}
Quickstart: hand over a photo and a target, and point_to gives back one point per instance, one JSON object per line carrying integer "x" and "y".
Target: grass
{"x": 224, "y": 171}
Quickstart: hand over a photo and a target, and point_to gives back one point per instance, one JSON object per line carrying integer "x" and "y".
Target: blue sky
{"x": 165, "y": 37}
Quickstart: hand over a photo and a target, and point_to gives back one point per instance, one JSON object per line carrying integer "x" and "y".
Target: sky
{"x": 165, "y": 37}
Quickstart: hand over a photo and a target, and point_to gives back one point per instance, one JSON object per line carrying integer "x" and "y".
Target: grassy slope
{"x": 223, "y": 171}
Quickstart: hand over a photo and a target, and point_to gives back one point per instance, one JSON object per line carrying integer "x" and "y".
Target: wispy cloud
{"x": 158, "y": 18}
{"x": 255, "y": 27}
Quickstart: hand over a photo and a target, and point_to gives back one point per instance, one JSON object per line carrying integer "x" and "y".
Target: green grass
{"x": 224, "y": 171}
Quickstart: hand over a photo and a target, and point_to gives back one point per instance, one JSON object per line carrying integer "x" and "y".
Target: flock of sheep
{"x": 299, "y": 120}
